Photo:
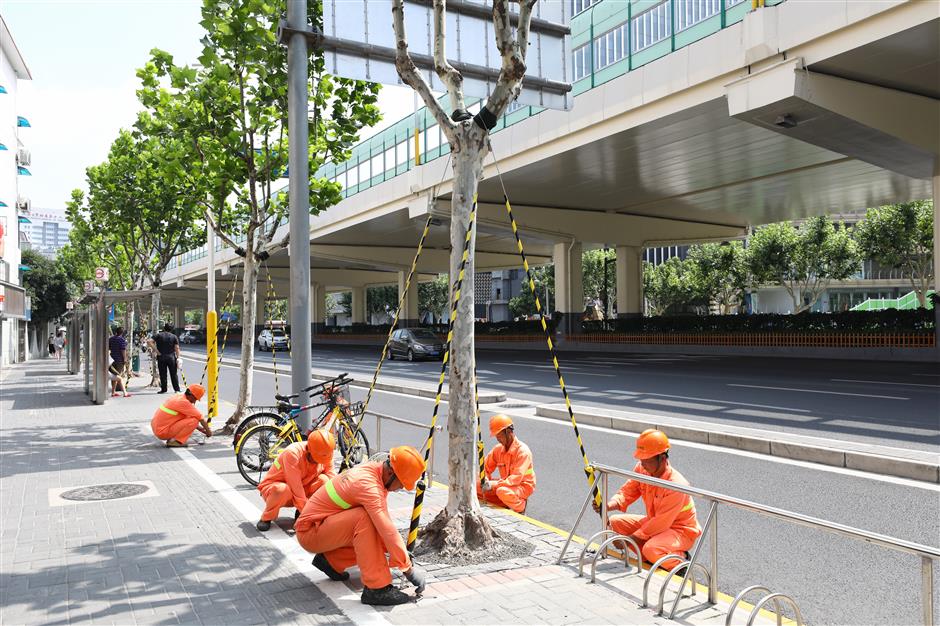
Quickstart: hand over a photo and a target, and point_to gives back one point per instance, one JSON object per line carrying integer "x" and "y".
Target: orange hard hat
{"x": 197, "y": 391}
{"x": 499, "y": 423}
{"x": 650, "y": 443}
{"x": 320, "y": 445}
{"x": 407, "y": 464}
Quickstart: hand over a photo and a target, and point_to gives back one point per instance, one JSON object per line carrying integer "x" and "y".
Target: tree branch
{"x": 512, "y": 51}
{"x": 451, "y": 78}
{"x": 215, "y": 226}
{"x": 410, "y": 75}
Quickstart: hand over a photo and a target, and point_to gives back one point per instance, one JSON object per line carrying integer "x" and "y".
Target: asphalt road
{"x": 893, "y": 404}
{"x": 835, "y": 580}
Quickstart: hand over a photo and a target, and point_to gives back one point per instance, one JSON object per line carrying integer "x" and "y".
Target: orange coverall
{"x": 293, "y": 478}
{"x": 347, "y": 521}
{"x": 517, "y": 476}
{"x": 176, "y": 418}
{"x": 670, "y": 524}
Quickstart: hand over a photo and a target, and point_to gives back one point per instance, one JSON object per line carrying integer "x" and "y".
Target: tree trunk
{"x": 461, "y": 525}
{"x": 246, "y": 377}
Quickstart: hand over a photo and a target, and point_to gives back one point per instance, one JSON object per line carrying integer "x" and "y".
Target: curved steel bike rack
{"x": 776, "y": 598}
{"x": 587, "y": 546}
{"x": 626, "y": 554}
{"x": 653, "y": 568}
{"x": 692, "y": 566}
{"x": 738, "y": 598}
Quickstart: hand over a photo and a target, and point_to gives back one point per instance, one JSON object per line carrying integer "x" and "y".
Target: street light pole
{"x": 299, "y": 199}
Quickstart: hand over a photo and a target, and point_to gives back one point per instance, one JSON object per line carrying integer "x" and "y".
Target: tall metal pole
{"x": 299, "y": 199}
{"x": 212, "y": 336}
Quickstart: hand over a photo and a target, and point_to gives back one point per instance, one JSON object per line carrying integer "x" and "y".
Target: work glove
{"x": 417, "y": 578}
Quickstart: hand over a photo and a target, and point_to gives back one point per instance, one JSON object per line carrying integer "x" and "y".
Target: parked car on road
{"x": 416, "y": 343}
{"x": 193, "y": 336}
{"x": 275, "y": 339}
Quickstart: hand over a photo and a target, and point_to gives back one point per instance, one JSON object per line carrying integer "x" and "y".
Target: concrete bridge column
{"x": 569, "y": 289}
{"x": 629, "y": 281}
{"x": 317, "y": 308}
{"x": 409, "y": 312}
{"x": 260, "y": 299}
{"x": 358, "y": 305}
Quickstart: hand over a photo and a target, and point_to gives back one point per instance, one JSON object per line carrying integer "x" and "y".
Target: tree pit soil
{"x": 466, "y": 539}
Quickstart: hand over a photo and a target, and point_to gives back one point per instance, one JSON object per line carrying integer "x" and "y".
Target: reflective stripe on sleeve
{"x": 335, "y": 497}
{"x": 530, "y": 471}
{"x": 687, "y": 507}
{"x": 170, "y": 411}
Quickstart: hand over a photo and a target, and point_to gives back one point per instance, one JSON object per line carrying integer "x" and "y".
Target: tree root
{"x": 453, "y": 536}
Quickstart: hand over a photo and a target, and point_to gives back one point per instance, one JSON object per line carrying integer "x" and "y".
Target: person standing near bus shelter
{"x": 167, "y": 346}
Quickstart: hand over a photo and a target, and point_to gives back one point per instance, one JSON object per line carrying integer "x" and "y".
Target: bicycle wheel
{"x": 255, "y": 419}
{"x": 354, "y": 448}
{"x": 258, "y": 449}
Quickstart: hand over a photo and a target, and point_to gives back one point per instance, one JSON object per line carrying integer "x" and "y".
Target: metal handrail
{"x": 400, "y": 420}
{"x": 927, "y": 553}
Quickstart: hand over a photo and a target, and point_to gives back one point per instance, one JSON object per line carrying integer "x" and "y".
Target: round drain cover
{"x": 112, "y": 491}
{"x": 514, "y": 405}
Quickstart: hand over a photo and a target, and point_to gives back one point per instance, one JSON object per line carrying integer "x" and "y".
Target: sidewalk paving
{"x": 186, "y": 550}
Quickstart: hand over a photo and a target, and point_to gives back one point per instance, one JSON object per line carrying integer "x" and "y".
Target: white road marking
{"x": 882, "y": 382}
{"x": 342, "y": 596}
{"x": 833, "y": 393}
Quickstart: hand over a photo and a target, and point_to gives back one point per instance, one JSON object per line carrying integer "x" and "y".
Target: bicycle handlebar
{"x": 342, "y": 379}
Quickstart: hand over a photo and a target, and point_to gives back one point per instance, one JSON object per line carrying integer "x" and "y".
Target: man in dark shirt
{"x": 168, "y": 348}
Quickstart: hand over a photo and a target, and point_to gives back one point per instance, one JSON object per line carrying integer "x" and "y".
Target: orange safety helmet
{"x": 650, "y": 443}
{"x": 499, "y": 423}
{"x": 320, "y": 445}
{"x": 197, "y": 391}
{"x": 407, "y": 464}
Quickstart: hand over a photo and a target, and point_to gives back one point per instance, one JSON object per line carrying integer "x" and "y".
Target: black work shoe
{"x": 386, "y": 596}
{"x": 263, "y": 526}
{"x": 320, "y": 562}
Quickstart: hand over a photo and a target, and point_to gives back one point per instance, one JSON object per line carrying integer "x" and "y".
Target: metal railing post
{"x": 605, "y": 514}
{"x": 709, "y": 522}
{"x": 713, "y": 545}
{"x": 587, "y": 501}
{"x": 378, "y": 433}
{"x": 430, "y": 467}
{"x": 926, "y": 591}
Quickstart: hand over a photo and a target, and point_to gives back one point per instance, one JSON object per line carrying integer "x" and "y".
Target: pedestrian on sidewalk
{"x": 167, "y": 346}
{"x": 513, "y": 459}
{"x": 59, "y": 343}
{"x": 117, "y": 346}
{"x": 347, "y": 523}
{"x": 51, "y": 344}
{"x": 177, "y": 418}
{"x": 297, "y": 473}
{"x": 670, "y": 524}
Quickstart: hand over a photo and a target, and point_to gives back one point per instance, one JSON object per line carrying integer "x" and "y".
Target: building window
{"x": 610, "y": 47}
{"x": 651, "y": 27}
{"x": 577, "y": 6}
{"x": 691, "y": 12}
{"x": 581, "y": 63}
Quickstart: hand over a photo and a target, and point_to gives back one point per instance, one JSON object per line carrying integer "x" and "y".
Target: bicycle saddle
{"x": 284, "y": 398}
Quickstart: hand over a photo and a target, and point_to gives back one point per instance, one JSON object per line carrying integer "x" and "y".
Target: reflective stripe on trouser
{"x": 657, "y": 546}
{"x": 349, "y": 538}
{"x": 510, "y": 497}
{"x": 180, "y": 430}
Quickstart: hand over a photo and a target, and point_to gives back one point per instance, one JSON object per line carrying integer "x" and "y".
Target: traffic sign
{"x": 101, "y": 273}
{"x": 89, "y": 286}
{"x": 69, "y": 306}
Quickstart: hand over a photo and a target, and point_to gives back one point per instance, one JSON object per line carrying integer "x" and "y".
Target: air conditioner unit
{"x": 24, "y": 204}
{"x": 23, "y": 157}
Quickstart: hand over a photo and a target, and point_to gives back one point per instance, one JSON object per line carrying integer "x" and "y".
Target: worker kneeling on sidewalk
{"x": 298, "y": 471}
{"x": 178, "y": 417}
{"x": 347, "y": 523}
{"x": 514, "y": 461}
{"x": 670, "y": 524}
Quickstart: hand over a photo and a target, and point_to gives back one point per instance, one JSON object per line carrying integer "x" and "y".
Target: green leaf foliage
{"x": 47, "y": 285}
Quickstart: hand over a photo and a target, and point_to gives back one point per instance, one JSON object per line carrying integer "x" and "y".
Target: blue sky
{"x": 83, "y": 55}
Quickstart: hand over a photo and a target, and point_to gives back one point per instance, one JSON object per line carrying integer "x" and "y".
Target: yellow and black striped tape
{"x": 229, "y": 300}
{"x": 420, "y": 487}
{"x": 476, "y": 397}
{"x": 388, "y": 339}
{"x": 588, "y": 470}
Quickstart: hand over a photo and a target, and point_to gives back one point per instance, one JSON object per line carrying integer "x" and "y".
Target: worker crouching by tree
{"x": 177, "y": 418}
{"x": 670, "y": 524}
{"x": 513, "y": 459}
{"x": 298, "y": 471}
{"x": 347, "y": 523}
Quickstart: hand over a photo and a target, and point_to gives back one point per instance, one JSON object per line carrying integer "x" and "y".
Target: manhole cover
{"x": 515, "y": 405}
{"x": 112, "y": 491}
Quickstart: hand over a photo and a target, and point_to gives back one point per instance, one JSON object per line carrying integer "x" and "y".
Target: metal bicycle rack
{"x": 601, "y": 552}
{"x": 776, "y": 598}
{"x": 687, "y": 563}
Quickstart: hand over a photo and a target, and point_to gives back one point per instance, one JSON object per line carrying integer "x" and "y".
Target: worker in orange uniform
{"x": 670, "y": 524}
{"x": 298, "y": 471}
{"x": 178, "y": 417}
{"x": 514, "y": 461}
{"x": 347, "y": 523}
